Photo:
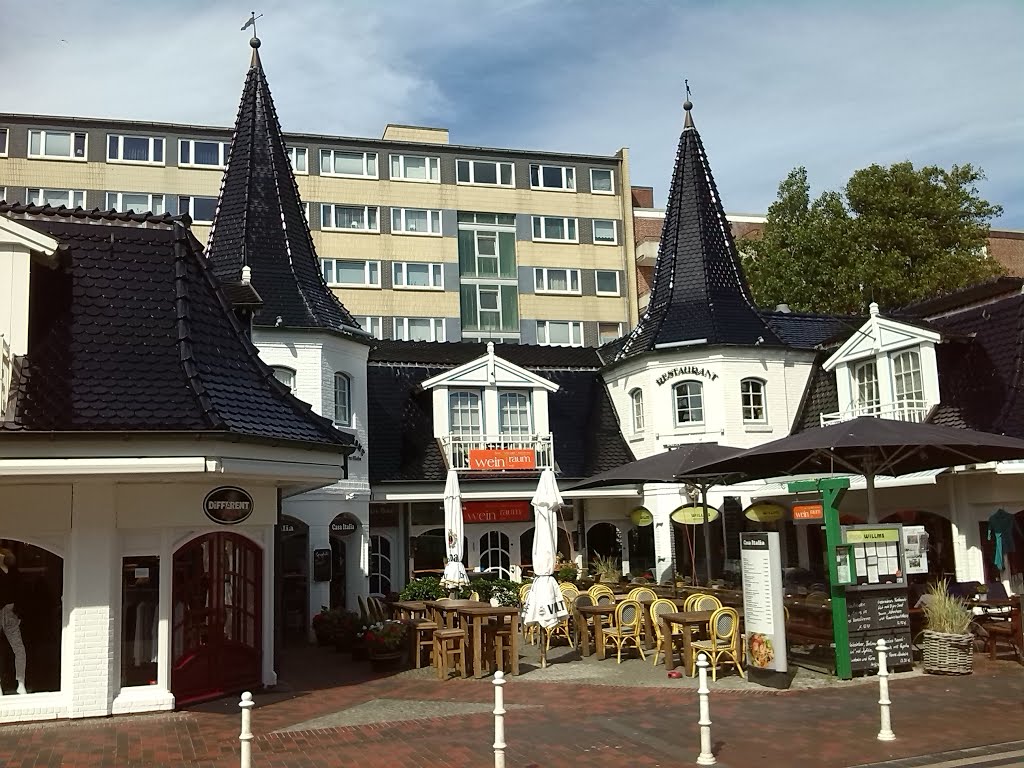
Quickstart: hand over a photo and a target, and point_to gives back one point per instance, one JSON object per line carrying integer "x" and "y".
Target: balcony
{"x": 498, "y": 453}
{"x": 904, "y": 410}
{"x": 6, "y": 372}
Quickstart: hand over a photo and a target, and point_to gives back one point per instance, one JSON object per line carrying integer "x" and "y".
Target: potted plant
{"x": 386, "y": 640}
{"x": 565, "y": 570}
{"x": 948, "y": 644}
{"x": 322, "y": 627}
{"x": 606, "y": 569}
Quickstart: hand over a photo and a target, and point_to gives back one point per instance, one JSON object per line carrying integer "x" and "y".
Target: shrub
{"x": 425, "y": 588}
{"x": 945, "y": 613}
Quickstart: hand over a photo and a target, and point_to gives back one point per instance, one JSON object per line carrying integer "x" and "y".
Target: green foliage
{"x": 608, "y": 568}
{"x": 894, "y": 235}
{"x": 945, "y": 613}
{"x": 429, "y": 588}
{"x": 425, "y": 588}
{"x": 565, "y": 570}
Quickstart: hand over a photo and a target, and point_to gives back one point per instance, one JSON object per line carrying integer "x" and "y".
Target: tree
{"x": 894, "y": 235}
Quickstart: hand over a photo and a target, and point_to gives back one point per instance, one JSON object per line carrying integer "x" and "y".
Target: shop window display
{"x": 140, "y": 616}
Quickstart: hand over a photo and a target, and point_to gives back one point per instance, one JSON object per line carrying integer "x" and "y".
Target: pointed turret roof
{"x": 699, "y": 294}
{"x": 260, "y": 222}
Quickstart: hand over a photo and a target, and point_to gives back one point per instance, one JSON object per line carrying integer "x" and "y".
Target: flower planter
{"x": 946, "y": 654}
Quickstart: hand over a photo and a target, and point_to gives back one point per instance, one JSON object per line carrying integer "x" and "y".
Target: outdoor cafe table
{"x": 598, "y": 612}
{"x": 686, "y": 619}
{"x": 477, "y": 615}
{"x": 409, "y": 609}
{"x": 444, "y": 611}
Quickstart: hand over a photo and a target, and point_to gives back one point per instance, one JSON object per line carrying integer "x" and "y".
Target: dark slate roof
{"x": 987, "y": 289}
{"x": 130, "y": 333}
{"x": 453, "y": 353}
{"x": 698, "y": 291}
{"x": 809, "y": 331}
{"x": 260, "y": 222}
{"x": 820, "y": 396}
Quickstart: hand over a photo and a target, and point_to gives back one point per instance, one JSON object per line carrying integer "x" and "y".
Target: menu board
{"x": 763, "y": 614}
{"x": 870, "y": 616}
{"x": 877, "y": 555}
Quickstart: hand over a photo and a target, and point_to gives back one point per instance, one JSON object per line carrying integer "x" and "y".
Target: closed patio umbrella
{"x": 545, "y": 605}
{"x": 454, "y": 571}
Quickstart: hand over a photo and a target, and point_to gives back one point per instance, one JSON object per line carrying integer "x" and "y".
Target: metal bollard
{"x": 706, "y": 756}
{"x": 499, "y": 720}
{"x": 245, "y": 737}
{"x": 885, "y": 732}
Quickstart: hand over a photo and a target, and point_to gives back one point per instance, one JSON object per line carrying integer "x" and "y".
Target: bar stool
{"x": 422, "y": 637}
{"x": 499, "y": 642}
{"x": 449, "y": 645}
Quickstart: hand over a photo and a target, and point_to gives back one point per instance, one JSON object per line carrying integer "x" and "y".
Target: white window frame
{"x": 190, "y": 206}
{"x": 342, "y": 399}
{"x": 400, "y": 223}
{"x": 618, "y": 333}
{"x": 75, "y": 197}
{"x": 542, "y": 281}
{"x": 636, "y": 400}
{"x": 118, "y": 202}
{"x": 6, "y": 148}
{"x": 490, "y": 289}
{"x": 371, "y": 267}
{"x": 575, "y": 332}
{"x": 153, "y": 140}
{"x": 222, "y": 153}
{"x": 472, "y": 173}
{"x": 901, "y": 375}
{"x": 611, "y": 178}
{"x": 400, "y": 275}
{"x": 615, "y": 232}
{"x": 286, "y": 375}
{"x": 697, "y": 393}
{"x": 367, "y": 172}
{"x": 468, "y": 402}
{"x": 401, "y": 327}
{"x": 293, "y": 154}
{"x": 618, "y": 282}
{"x": 861, "y": 405}
{"x": 566, "y": 220}
{"x": 380, "y": 564}
{"x": 753, "y": 397}
{"x": 433, "y": 165}
{"x": 329, "y": 211}
{"x": 568, "y": 174}
{"x": 523, "y": 407}
{"x": 372, "y": 324}
{"x": 41, "y": 155}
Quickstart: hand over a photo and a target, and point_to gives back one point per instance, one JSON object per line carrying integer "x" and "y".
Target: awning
{"x": 857, "y": 482}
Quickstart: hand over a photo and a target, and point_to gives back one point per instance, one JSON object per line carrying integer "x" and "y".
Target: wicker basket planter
{"x": 946, "y": 654}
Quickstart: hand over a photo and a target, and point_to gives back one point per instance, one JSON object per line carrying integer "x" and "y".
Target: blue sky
{"x": 829, "y": 85}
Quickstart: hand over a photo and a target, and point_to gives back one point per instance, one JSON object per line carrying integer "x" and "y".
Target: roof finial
{"x": 687, "y": 106}
{"x": 255, "y": 42}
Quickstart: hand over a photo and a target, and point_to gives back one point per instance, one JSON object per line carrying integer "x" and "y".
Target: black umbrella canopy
{"x": 672, "y": 466}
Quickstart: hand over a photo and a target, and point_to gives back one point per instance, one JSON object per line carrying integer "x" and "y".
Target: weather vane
{"x": 686, "y": 84}
{"x": 252, "y": 23}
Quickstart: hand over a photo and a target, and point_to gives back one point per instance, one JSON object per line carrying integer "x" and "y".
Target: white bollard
{"x": 245, "y": 737}
{"x": 706, "y": 756}
{"x": 499, "y": 720}
{"x": 885, "y": 732}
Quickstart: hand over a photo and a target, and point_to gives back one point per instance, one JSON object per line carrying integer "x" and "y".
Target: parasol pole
{"x": 707, "y": 532}
{"x": 869, "y": 483}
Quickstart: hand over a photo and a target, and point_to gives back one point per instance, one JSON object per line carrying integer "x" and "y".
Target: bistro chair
{"x": 723, "y": 647}
{"x": 601, "y": 594}
{"x": 625, "y": 628}
{"x": 474, "y": 595}
{"x": 817, "y": 598}
{"x": 529, "y": 632}
{"x": 642, "y": 595}
{"x": 657, "y": 608}
{"x": 705, "y": 603}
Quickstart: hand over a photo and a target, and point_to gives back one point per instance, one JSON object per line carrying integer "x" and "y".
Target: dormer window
{"x": 689, "y": 401}
{"x": 866, "y": 377}
{"x": 514, "y": 413}
{"x": 907, "y": 384}
{"x": 464, "y": 412}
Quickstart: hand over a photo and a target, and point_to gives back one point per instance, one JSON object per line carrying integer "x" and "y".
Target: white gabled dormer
{"x": 886, "y": 368}
{"x": 490, "y": 404}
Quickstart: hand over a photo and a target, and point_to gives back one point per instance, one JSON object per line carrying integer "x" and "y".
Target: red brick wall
{"x": 1008, "y": 249}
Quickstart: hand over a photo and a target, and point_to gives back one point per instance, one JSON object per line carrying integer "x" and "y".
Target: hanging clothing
{"x": 8, "y": 586}
{"x": 10, "y": 627}
{"x": 1000, "y": 527}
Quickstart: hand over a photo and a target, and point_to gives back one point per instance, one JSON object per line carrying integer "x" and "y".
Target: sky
{"x": 833, "y": 86}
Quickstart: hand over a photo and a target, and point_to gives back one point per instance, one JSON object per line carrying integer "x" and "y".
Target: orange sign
{"x": 502, "y": 458}
{"x": 496, "y": 511}
{"x": 808, "y": 512}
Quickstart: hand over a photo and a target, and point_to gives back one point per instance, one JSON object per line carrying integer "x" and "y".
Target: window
{"x": 514, "y": 414}
{"x": 372, "y": 325}
{"x": 607, "y": 282}
{"x": 380, "y": 565}
{"x": 193, "y": 153}
{"x": 342, "y": 400}
{"x": 72, "y": 198}
{"x": 135, "y": 149}
{"x": 606, "y": 232}
{"x": 487, "y": 219}
{"x": 752, "y": 399}
{"x": 489, "y": 308}
{"x": 601, "y": 181}
{"x": 297, "y": 155}
{"x": 906, "y": 372}
{"x": 335, "y": 162}
{"x": 547, "y": 280}
{"x": 419, "y": 328}
{"x": 361, "y": 273}
{"x": 607, "y": 332}
{"x": 285, "y": 375}
{"x": 413, "y": 275}
{"x": 415, "y": 168}
{"x": 484, "y": 172}
{"x": 464, "y": 414}
{"x": 494, "y": 554}
{"x": 351, "y": 218}
{"x": 3, "y": 142}
{"x": 140, "y": 202}
{"x": 140, "y": 586}
{"x": 200, "y": 209}
{"x": 689, "y": 399}
{"x": 555, "y": 229}
{"x": 636, "y": 399}
{"x": 415, "y": 221}
{"x": 553, "y": 177}
{"x": 866, "y": 377}
{"x": 487, "y": 253}
{"x": 57, "y": 145}
{"x": 560, "y": 333}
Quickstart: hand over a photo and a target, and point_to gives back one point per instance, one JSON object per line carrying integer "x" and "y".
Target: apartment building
{"x": 422, "y": 239}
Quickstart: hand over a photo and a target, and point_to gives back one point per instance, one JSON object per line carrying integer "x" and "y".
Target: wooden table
{"x": 598, "y": 612}
{"x": 685, "y": 619}
{"x": 649, "y": 635}
{"x": 475, "y": 615}
{"x": 444, "y": 611}
{"x": 409, "y": 609}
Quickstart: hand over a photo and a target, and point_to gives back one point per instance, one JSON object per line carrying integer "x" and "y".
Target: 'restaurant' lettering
{"x": 687, "y": 370}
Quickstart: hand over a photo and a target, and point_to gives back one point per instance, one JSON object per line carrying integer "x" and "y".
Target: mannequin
{"x": 10, "y": 624}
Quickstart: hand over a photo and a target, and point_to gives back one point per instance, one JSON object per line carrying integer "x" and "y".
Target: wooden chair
{"x": 723, "y": 647}
{"x": 364, "y": 614}
{"x": 422, "y": 637}
{"x": 626, "y": 626}
{"x": 580, "y": 623}
{"x": 449, "y": 648}
{"x": 657, "y": 608}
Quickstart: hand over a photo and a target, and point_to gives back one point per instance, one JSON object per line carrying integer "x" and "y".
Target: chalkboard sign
{"x": 864, "y": 651}
{"x": 321, "y": 565}
{"x": 873, "y": 615}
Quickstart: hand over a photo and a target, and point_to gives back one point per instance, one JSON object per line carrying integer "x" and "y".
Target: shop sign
{"x": 808, "y": 512}
{"x": 641, "y": 516}
{"x": 496, "y": 512}
{"x": 765, "y": 512}
{"x": 693, "y": 514}
{"x": 686, "y": 370}
{"x": 345, "y": 524}
{"x": 502, "y": 458}
{"x": 322, "y": 565}
{"x": 228, "y": 505}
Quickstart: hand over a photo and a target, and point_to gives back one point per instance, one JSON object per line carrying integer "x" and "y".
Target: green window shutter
{"x": 468, "y": 307}
{"x": 507, "y": 254}
{"x": 467, "y": 254}
{"x": 509, "y": 308}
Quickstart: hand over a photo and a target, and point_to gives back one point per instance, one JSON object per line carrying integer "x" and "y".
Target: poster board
{"x": 915, "y": 548}
{"x": 877, "y": 556}
{"x": 873, "y": 615}
{"x": 763, "y": 614}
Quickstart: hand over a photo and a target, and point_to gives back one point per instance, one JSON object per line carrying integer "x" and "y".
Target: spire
{"x": 699, "y": 295}
{"x": 260, "y": 224}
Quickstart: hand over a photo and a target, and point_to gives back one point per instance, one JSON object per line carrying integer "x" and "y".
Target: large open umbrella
{"x": 545, "y": 605}
{"x": 869, "y": 446}
{"x": 454, "y": 571}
